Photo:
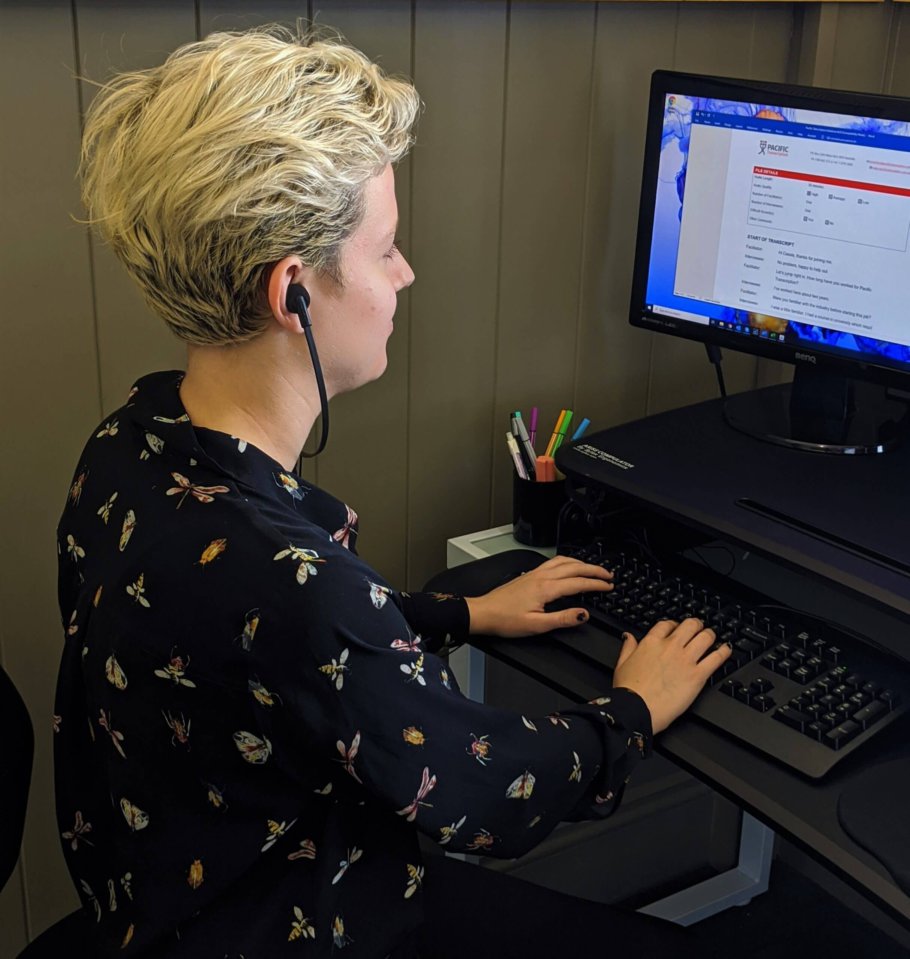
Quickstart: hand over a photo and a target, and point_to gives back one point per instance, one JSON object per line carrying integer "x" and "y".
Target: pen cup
{"x": 535, "y": 510}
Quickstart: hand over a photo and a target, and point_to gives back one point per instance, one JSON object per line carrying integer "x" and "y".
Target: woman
{"x": 268, "y": 724}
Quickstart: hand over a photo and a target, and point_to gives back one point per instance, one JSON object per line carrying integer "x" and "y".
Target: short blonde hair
{"x": 237, "y": 151}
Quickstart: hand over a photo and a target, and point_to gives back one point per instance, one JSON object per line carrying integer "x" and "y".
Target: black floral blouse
{"x": 251, "y": 725}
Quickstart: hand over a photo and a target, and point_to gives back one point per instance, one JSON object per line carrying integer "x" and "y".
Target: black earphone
{"x": 297, "y": 302}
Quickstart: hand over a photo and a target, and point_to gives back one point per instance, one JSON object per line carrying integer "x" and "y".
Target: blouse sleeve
{"x": 356, "y": 684}
{"x": 442, "y": 620}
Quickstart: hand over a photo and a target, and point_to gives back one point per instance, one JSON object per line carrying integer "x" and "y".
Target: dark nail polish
{"x": 582, "y": 617}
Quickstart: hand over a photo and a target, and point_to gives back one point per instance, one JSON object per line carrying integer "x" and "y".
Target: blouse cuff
{"x": 441, "y": 619}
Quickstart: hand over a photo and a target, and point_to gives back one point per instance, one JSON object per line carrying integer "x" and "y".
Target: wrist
{"x": 481, "y": 621}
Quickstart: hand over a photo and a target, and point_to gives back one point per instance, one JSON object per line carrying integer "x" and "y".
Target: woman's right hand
{"x": 668, "y": 667}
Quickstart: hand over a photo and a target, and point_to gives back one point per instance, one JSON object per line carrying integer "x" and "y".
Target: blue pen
{"x": 582, "y": 426}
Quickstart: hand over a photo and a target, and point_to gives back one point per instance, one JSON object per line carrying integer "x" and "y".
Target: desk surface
{"x": 690, "y": 464}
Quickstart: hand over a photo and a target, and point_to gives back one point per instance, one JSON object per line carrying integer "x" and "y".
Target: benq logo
{"x": 805, "y": 357}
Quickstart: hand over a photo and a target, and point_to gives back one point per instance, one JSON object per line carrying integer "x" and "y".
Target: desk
{"x": 688, "y": 466}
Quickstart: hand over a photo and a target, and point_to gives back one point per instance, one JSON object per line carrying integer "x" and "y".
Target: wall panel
{"x": 550, "y": 57}
{"x": 459, "y": 51}
{"x": 48, "y": 369}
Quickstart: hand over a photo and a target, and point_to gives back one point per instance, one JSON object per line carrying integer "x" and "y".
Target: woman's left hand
{"x": 517, "y": 607}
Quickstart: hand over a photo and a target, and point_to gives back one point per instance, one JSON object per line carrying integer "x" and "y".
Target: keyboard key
{"x": 890, "y": 698}
{"x": 871, "y": 713}
{"x": 793, "y": 717}
{"x": 842, "y": 734}
{"x": 762, "y": 702}
{"x": 761, "y": 685}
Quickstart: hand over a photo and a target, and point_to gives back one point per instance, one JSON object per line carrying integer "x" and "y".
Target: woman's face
{"x": 352, "y": 324}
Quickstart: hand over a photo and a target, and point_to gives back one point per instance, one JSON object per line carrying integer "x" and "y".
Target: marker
{"x": 559, "y": 420}
{"x": 582, "y": 426}
{"x": 561, "y": 431}
{"x": 525, "y": 442}
{"x": 516, "y": 456}
{"x": 532, "y": 432}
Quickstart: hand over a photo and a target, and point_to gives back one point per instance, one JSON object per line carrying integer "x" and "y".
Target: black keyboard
{"x": 795, "y": 687}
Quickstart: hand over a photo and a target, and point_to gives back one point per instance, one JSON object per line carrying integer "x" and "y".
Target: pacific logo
{"x": 773, "y": 149}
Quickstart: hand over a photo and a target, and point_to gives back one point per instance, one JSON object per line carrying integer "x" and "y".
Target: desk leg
{"x": 736, "y": 887}
{"x": 469, "y": 666}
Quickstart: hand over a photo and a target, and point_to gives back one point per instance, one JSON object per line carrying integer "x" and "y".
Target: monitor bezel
{"x": 663, "y": 82}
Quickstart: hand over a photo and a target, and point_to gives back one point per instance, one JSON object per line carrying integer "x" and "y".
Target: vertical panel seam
{"x": 498, "y": 297}
{"x": 583, "y": 245}
{"x": 89, "y": 238}
{"x": 410, "y": 344}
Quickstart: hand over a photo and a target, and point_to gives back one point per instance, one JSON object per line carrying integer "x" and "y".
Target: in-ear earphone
{"x": 297, "y": 302}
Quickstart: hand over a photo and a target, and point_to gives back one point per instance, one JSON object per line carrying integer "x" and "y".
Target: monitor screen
{"x": 776, "y": 220}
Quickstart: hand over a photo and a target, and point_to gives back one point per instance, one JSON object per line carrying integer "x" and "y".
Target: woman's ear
{"x": 283, "y": 274}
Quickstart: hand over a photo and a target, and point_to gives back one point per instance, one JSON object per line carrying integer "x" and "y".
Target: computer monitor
{"x": 775, "y": 220}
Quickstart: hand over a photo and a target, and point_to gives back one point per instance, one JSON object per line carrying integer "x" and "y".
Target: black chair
{"x": 72, "y": 935}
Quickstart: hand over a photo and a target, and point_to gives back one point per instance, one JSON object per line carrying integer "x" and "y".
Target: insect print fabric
{"x": 251, "y": 726}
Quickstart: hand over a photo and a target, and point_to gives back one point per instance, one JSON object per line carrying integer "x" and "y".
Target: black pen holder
{"x": 535, "y": 510}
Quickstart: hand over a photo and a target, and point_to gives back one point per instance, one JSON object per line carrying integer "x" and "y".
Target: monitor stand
{"x": 821, "y": 412}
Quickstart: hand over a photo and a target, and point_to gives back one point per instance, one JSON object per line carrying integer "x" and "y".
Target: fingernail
{"x": 582, "y": 617}
{"x": 626, "y": 635}
{"x": 728, "y": 643}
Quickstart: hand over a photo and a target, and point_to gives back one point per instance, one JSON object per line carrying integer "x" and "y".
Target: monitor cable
{"x": 715, "y": 357}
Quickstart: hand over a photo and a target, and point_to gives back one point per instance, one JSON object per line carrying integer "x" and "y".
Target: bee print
{"x": 261, "y": 694}
{"x": 175, "y": 669}
{"x": 379, "y": 594}
{"x": 104, "y": 721}
{"x": 339, "y": 938}
{"x": 534, "y": 822}
{"x": 128, "y": 935}
{"x": 204, "y": 494}
{"x": 444, "y": 678}
{"x": 185, "y": 418}
{"x": 126, "y": 880}
{"x": 345, "y": 864}
{"x": 413, "y": 736}
{"x": 56, "y": 721}
{"x": 325, "y": 791}
{"x": 126, "y": 531}
{"x": 250, "y": 625}
{"x": 305, "y": 558}
{"x": 91, "y": 898}
{"x": 442, "y": 597}
{"x": 78, "y": 833}
{"x": 638, "y": 740}
{"x": 114, "y": 674}
{"x": 348, "y": 754}
{"x": 137, "y": 591}
{"x": 575, "y": 775}
{"x": 195, "y": 876}
{"x": 600, "y": 800}
{"x": 427, "y": 784}
{"x": 96, "y": 599}
{"x": 343, "y": 535}
{"x": 414, "y": 671}
{"x": 336, "y": 669}
{"x": 406, "y": 645}
{"x": 241, "y": 444}
{"x": 109, "y": 429}
{"x": 289, "y": 485}
{"x": 415, "y": 878}
{"x": 599, "y": 701}
{"x": 104, "y": 511}
{"x": 482, "y": 840}
{"x": 135, "y": 818}
{"x": 448, "y": 833}
{"x": 307, "y": 850}
{"x": 77, "y": 487}
{"x": 558, "y": 720}
{"x": 480, "y": 749}
{"x": 179, "y": 727}
{"x": 74, "y": 549}
{"x": 529, "y": 724}
{"x": 212, "y": 551}
{"x": 301, "y": 927}
{"x": 522, "y": 787}
{"x": 253, "y": 749}
{"x": 156, "y": 444}
{"x": 111, "y": 896}
{"x": 73, "y": 627}
{"x": 275, "y": 831}
{"x": 215, "y": 796}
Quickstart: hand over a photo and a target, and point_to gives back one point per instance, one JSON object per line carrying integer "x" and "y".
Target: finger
{"x": 714, "y": 659}
{"x": 561, "y": 619}
{"x": 687, "y": 630}
{"x": 701, "y": 643}
{"x": 661, "y": 629}
{"x": 557, "y": 588}
{"x": 629, "y": 645}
